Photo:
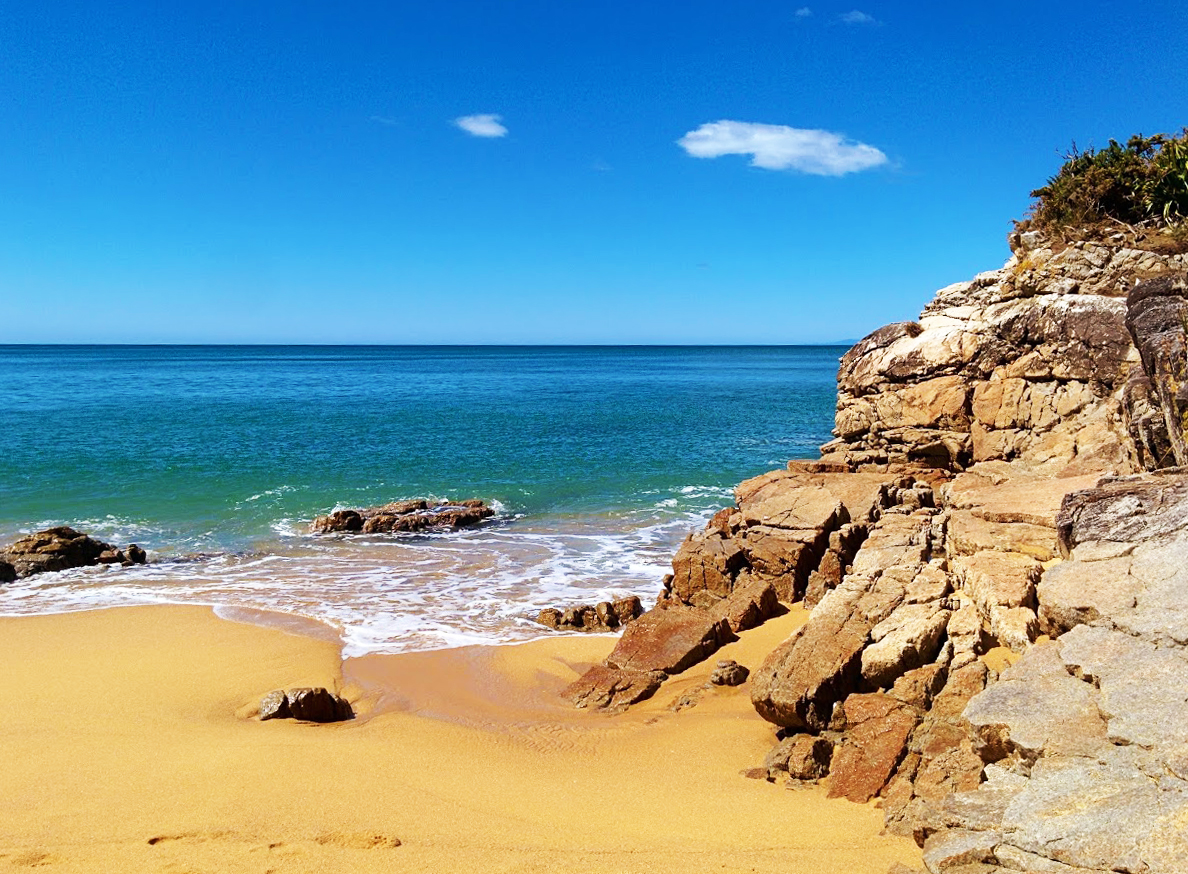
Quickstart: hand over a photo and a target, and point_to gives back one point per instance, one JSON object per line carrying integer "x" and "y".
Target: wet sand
{"x": 130, "y": 744}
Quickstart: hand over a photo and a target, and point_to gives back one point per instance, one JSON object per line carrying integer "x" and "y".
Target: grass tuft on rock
{"x": 1143, "y": 184}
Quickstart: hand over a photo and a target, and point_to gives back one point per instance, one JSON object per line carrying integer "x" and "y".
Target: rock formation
{"x": 403, "y": 516}
{"x": 993, "y": 547}
{"x": 601, "y": 617}
{"x": 59, "y": 549}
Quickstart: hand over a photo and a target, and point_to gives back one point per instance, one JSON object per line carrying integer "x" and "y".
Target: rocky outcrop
{"x": 404, "y": 516}
{"x": 307, "y": 704}
{"x": 993, "y": 550}
{"x": 1083, "y": 739}
{"x": 59, "y": 549}
{"x": 1026, "y": 361}
{"x": 599, "y": 618}
{"x": 1156, "y": 396}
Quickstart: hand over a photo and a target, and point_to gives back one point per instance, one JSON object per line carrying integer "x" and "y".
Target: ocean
{"x": 599, "y": 460}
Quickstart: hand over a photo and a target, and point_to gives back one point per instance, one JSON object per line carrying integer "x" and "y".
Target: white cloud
{"x": 778, "y": 147}
{"x": 482, "y": 125}
{"x": 856, "y": 17}
{"x": 803, "y": 12}
{"x": 385, "y": 120}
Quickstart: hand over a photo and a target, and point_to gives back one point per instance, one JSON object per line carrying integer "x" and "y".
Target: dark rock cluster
{"x": 61, "y": 548}
{"x": 404, "y": 516}
{"x": 601, "y": 617}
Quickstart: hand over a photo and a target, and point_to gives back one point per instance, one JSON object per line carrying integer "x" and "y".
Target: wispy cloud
{"x": 779, "y": 147}
{"x": 803, "y": 12}
{"x": 857, "y": 17}
{"x": 386, "y": 120}
{"x": 482, "y": 125}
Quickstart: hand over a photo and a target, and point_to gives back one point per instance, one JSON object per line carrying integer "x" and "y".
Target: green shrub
{"x": 1145, "y": 181}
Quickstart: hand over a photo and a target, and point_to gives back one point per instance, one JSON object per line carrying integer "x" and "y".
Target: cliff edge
{"x": 993, "y": 547}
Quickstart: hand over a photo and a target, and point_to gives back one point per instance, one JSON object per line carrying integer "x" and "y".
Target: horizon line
{"x": 443, "y": 345}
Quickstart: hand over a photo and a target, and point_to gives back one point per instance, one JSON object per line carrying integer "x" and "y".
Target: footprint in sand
{"x": 358, "y": 841}
{"x": 31, "y": 859}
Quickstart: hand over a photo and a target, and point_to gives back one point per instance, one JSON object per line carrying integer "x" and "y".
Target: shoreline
{"x": 133, "y": 745}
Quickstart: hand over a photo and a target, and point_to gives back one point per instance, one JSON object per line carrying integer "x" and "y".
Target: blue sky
{"x": 539, "y": 172}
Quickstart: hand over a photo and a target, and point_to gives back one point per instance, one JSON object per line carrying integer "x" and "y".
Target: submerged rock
{"x": 403, "y": 516}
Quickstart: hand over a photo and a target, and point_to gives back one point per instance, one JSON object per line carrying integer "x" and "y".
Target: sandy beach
{"x": 131, "y": 744}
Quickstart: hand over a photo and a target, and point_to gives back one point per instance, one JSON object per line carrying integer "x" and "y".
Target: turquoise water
{"x": 599, "y": 460}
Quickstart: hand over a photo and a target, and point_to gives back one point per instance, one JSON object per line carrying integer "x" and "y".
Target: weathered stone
{"x": 917, "y": 687}
{"x": 338, "y": 521}
{"x": 1157, "y": 317}
{"x": 706, "y": 562}
{"x": 8, "y": 573}
{"x": 909, "y": 638}
{"x": 1036, "y": 709}
{"x": 969, "y": 534}
{"x": 1014, "y": 627}
{"x": 752, "y": 603}
{"x": 275, "y": 705}
{"x": 953, "y": 848}
{"x": 1124, "y": 670}
{"x": 729, "y": 673}
{"x": 1099, "y": 813}
{"x": 599, "y": 618}
{"x": 800, "y": 757}
{"x": 308, "y": 704}
{"x": 1072, "y": 593}
{"x": 135, "y": 554}
{"x": 877, "y": 729}
{"x": 993, "y": 578}
{"x": 1125, "y": 510}
{"x": 607, "y": 688}
{"x": 669, "y": 640}
{"x": 800, "y": 681}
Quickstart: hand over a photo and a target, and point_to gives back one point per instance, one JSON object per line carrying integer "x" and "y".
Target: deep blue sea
{"x": 599, "y": 460}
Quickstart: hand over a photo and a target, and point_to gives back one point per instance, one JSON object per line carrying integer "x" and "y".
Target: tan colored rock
{"x": 1036, "y": 708}
{"x": 997, "y": 403}
{"x": 1014, "y": 627}
{"x": 969, "y": 534}
{"x": 907, "y": 639}
{"x": 753, "y": 602}
{"x": 992, "y": 578}
{"x": 606, "y": 688}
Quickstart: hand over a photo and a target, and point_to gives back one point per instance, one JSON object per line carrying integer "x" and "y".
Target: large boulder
{"x": 61, "y": 548}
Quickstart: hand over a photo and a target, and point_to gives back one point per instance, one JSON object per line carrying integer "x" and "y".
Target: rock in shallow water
{"x": 403, "y": 516}
{"x": 601, "y": 617}
{"x": 61, "y": 548}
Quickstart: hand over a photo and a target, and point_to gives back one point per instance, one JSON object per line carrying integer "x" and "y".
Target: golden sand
{"x": 129, "y": 744}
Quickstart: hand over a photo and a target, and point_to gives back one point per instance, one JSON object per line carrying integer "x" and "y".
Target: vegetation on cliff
{"x": 1143, "y": 183}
